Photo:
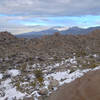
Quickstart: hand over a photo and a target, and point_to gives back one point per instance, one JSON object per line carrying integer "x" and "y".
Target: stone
{"x": 2, "y": 94}
{"x": 43, "y": 91}
{"x": 54, "y": 83}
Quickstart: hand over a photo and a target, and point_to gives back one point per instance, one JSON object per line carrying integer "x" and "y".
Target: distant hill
{"x": 56, "y": 44}
{"x": 72, "y": 30}
{"x": 77, "y": 30}
{"x": 37, "y": 34}
{"x": 6, "y": 36}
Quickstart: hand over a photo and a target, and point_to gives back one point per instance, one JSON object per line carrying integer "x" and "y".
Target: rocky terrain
{"x": 31, "y": 69}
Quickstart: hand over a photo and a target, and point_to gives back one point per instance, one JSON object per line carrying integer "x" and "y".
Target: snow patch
{"x": 67, "y": 77}
{"x": 1, "y": 76}
{"x": 10, "y": 91}
{"x": 13, "y": 72}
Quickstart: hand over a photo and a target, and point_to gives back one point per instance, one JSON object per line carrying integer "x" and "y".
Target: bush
{"x": 39, "y": 75}
{"x": 33, "y": 84}
{"x": 56, "y": 58}
{"x": 81, "y": 53}
{"x": 93, "y": 65}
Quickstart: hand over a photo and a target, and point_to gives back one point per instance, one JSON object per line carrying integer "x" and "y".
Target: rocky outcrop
{"x": 6, "y": 37}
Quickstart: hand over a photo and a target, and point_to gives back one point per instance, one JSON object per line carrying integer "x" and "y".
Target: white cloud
{"x": 50, "y": 7}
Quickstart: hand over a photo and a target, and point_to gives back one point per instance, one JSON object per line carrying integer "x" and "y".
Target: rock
{"x": 6, "y": 76}
{"x": 43, "y": 91}
{"x": 2, "y": 94}
{"x": 54, "y": 83}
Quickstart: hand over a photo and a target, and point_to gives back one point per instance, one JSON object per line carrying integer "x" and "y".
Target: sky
{"x": 20, "y": 16}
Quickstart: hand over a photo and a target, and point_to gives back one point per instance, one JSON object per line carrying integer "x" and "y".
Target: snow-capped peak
{"x": 61, "y": 28}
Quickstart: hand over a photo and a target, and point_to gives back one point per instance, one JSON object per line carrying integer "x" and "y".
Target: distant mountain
{"x": 77, "y": 30}
{"x": 37, "y": 34}
{"x": 62, "y": 30}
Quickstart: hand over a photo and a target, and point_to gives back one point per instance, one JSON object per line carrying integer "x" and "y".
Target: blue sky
{"x": 82, "y": 21}
{"x": 20, "y": 16}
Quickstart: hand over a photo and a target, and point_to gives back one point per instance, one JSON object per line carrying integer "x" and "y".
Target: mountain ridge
{"x": 50, "y": 31}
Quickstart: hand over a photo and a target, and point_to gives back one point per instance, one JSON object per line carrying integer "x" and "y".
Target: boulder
{"x": 43, "y": 91}
{"x": 53, "y": 83}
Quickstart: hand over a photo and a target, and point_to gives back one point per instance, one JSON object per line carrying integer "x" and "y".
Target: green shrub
{"x": 39, "y": 75}
{"x": 40, "y": 79}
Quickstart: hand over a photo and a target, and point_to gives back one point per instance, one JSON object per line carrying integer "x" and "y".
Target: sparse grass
{"x": 17, "y": 46}
{"x": 81, "y": 53}
{"x": 39, "y": 75}
{"x": 56, "y": 58}
{"x": 40, "y": 79}
{"x": 33, "y": 84}
{"x": 30, "y": 59}
{"x": 18, "y": 87}
{"x": 23, "y": 67}
{"x": 93, "y": 65}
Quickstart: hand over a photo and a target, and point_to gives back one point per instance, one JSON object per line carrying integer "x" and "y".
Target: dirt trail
{"x": 85, "y": 88}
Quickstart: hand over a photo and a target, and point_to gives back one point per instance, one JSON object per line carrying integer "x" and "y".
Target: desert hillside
{"x": 33, "y": 69}
{"x": 49, "y": 49}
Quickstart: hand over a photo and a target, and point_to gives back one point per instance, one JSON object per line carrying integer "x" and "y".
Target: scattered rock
{"x": 5, "y": 76}
{"x": 53, "y": 83}
{"x": 2, "y": 94}
{"x": 43, "y": 91}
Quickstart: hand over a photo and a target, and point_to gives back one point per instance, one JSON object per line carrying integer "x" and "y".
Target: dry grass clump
{"x": 39, "y": 75}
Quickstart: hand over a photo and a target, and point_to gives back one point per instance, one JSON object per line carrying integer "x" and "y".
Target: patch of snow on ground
{"x": 59, "y": 75}
{"x": 10, "y": 91}
{"x": 71, "y": 60}
{"x": 95, "y": 55}
{"x": 68, "y": 77}
{"x": 96, "y": 68}
{"x": 13, "y": 72}
{"x": 1, "y": 76}
{"x": 36, "y": 95}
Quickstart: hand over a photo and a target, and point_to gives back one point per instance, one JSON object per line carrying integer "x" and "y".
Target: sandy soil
{"x": 84, "y": 88}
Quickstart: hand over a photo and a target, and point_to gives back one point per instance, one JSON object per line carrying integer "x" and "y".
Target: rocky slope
{"x": 14, "y": 51}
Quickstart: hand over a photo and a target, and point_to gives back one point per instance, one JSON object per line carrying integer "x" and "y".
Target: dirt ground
{"x": 84, "y": 88}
